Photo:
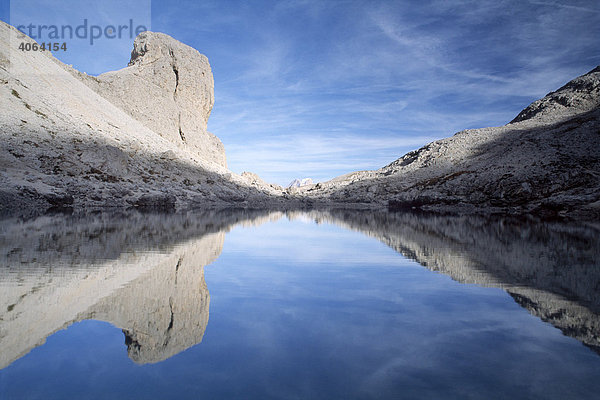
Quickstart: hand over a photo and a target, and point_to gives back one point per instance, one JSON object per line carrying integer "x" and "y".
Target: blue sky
{"x": 321, "y": 88}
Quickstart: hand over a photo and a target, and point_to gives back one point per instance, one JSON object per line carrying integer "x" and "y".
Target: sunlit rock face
{"x": 169, "y": 87}
{"x": 580, "y": 95}
{"x": 296, "y": 183}
{"x": 543, "y": 162}
{"x": 130, "y": 138}
{"x": 138, "y": 137}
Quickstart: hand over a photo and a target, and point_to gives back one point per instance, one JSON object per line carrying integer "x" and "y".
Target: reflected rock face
{"x": 142, "y": 273}
{"x": 164, "y": 311}
{"x": 550, "y": 268}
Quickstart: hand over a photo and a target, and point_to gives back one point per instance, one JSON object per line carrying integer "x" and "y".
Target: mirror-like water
{"x": 318, "y": 304}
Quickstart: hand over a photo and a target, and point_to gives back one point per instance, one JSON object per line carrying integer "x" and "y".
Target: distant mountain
{"x": 300, "y": 182}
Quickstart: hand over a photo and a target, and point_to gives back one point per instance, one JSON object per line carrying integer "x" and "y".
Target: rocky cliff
{"x": 169, "y": 88}
{"x": 138, "y": 137}
{"x": 580, "y": 95}
{"x": 135, "y": 137}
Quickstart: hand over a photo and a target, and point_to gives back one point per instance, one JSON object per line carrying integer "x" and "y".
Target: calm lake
{"x": 298, "y": 305}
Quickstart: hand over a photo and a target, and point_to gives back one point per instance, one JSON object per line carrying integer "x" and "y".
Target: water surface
{"x": 330, "y": 304}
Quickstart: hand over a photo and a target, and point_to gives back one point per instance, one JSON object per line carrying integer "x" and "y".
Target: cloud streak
{"x": 403, "y": 75}
{"x": 567, "y": 6}
{"x": 312, "y": 88}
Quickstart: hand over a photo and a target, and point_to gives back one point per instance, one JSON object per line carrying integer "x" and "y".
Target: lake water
{"x": 298, "y": 305}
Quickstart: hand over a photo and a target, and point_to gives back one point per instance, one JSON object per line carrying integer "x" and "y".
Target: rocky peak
{"x": 580, "y": 95}
{"x": 169, "y": 87}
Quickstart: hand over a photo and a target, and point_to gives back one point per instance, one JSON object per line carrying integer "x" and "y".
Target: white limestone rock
{"x": 71, "y": 140}
{"x": 169, "y": 87}
{"x": 580, "y": 95}
{"x": 257, "y": 181}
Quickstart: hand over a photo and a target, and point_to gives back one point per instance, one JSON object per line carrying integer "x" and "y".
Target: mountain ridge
{"x": 74, "y": 141}
{"x": 545, "y": 161}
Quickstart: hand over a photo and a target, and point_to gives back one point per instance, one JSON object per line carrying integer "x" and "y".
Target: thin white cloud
{"x": 324, "y": 88}
{"x": 567, "y": 6}
{"x": 280, "y": 159}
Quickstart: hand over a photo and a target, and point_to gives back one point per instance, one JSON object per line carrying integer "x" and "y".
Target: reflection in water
{"x": 550, "y": 268}
{"x": 144, "y": 273}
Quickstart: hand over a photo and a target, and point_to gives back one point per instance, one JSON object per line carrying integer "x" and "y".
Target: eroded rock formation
{"x": 168, "y": 86}
{"x": 137, "y": 137}
{"x": 70, "y": 140}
